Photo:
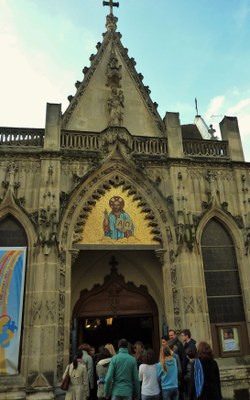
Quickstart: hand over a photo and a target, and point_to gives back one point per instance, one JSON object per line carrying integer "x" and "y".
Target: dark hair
{"x": 76, "y": 357}
{"x": 172, "y": 330}
{"x": 164, "y": 337}
{"x": 123, "y": 343}
{"x": 148, "y": 357}
{"x": 191, "y": 353}
{"x": 104, "y": 353}
{"x": 186, "y": 332}
{"x": 205, "y": 351}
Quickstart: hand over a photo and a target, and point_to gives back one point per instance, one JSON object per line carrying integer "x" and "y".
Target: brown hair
{"x": 205, "y": 351}
{"x": 148, "y": 357}
{"x": 85, "y": 346}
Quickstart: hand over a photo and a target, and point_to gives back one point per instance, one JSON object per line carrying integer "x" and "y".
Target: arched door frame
{"x": 115, "y": 298}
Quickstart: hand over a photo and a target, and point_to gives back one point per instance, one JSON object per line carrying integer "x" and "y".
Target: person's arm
{"x": 140, "y": 373}
{"x": 136, "y": 380}
{"x": 109, "y": 379}
{"x": 66, "y": 371}
{"x": 177, "y": 358}
{"x": 91, "y": 372}
{"x": 217, "y": 372}
{"x": 85, "y": 381}
{"x": 191, "y": 386}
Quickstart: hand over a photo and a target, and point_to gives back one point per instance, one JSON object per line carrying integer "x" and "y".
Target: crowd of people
{"x": 181, "y": 371}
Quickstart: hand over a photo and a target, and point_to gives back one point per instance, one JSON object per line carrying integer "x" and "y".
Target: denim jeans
{"x": 170, "y": 394}
{"x": 121, "y": 397}
{"x": 145, "y": 397}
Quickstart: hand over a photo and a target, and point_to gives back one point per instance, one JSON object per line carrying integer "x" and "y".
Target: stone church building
{"x": 118, "y": 223}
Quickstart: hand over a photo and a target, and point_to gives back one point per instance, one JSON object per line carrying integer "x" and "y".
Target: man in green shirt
{"x": 122, "y": 379}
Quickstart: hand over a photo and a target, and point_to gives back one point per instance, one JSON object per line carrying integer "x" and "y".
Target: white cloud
{"x": 215, "y": 107}
{"x": 235, "y": 103}
{"x": 240, "y": 108}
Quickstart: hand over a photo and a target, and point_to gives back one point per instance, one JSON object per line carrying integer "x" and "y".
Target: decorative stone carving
{"x": 188, "y": 304}
{"x": 115, "y": 107}
{"x": 114, "y": 75}
{"x": 160, "y": 254}
{"x": 47, "y": 229}
{"x": 199, "y": 304}
{"x": 74, "y": 254}
{"x": 40, "y": 381}
{"x": 113, "y": 134}
{"x": 61, "y": 312}
{"x": 173, "y": 275}
{"x": 111, "y": 21}
{"x": 37, "y": 312}
{"x": 176, "y": 301}
{"x": 10, "y": 182}
{"x": 178, "y": 323}
{"x": 50, "y": 311}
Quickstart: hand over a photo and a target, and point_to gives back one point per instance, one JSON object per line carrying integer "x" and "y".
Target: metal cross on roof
{"x": 111, "y": 4}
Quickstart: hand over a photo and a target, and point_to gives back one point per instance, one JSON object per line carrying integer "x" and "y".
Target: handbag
{"x": 66, "y": 381}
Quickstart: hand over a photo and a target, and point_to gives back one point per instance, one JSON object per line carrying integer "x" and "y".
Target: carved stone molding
{"x": 199, "y": 303}
{"x": 47, "y": 229}
{"x": 114, "y": 74}
{"x": 117, "y": 179}
{"x": 37, "y": 312}
{"x": 43, "y": 311}
{"x": 188, "y": 302}
{"x": 61, "y": 312}
{"x": 161, "y": 254}
{"x": 74, "y": 254}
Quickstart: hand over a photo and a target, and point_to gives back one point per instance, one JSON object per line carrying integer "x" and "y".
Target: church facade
{"x": 115, "y": 222}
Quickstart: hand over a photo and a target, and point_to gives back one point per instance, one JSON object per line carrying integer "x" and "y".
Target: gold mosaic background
{"x": 93, "y": 230}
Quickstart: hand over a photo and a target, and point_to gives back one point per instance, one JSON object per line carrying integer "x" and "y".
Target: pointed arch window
{"x": 221, "y": 275}
{"x": 12, "y": 233}
{"x": 224, "y": 294}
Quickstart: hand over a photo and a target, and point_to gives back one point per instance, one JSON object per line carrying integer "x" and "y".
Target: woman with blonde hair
{"x": 102, "y": 366}
{"x": 167, "y": 372}
{"x": 110, "y": 348}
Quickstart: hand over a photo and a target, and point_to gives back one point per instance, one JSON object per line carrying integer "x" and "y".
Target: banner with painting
{"x": 12, "y": 276}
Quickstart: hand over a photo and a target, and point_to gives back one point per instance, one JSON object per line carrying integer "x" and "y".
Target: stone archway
{"x": 130, "y": 307}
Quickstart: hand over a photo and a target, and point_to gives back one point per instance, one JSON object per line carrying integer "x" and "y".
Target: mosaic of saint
{"x": 117, "y": 224}
{"x": 117, "y": 219}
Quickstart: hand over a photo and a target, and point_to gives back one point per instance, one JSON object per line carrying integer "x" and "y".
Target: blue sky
{"x": 185, "y": 49}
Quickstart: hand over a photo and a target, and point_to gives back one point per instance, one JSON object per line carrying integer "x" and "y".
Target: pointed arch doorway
{"x": 113, "y": 310}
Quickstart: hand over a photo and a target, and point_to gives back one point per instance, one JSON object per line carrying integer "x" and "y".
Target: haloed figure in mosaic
{"x": 117, "y": 224}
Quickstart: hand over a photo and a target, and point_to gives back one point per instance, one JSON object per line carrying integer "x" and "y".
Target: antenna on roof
{"x": 196, "y": 106}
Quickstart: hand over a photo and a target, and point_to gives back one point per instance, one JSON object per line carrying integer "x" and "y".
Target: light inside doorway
{"x": 101, "y": 330}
